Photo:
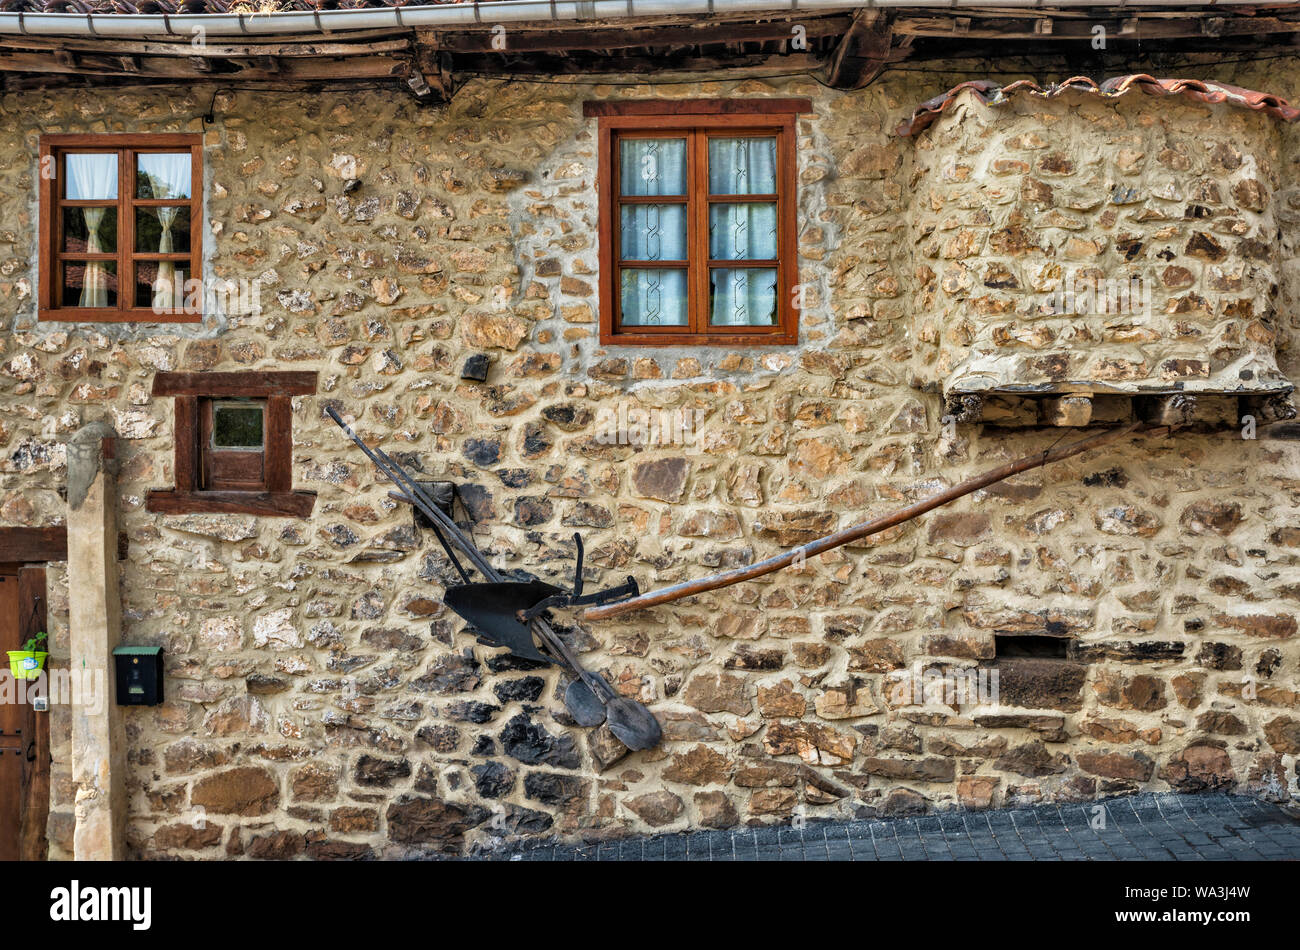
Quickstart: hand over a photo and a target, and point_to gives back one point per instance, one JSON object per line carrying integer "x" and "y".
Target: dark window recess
{"x": 238, "y": 425}
{"x": 1030, "y": 645}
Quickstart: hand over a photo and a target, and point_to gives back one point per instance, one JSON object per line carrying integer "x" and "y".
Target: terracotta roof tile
{"x": 991, "y": 93}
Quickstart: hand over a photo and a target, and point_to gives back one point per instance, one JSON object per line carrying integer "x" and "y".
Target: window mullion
{"x": 57, "y": 275}
{"x": 698, "y": 273}
{"x": 125, "y": 228}
{"x": 616, "y": 227}
{"x": 196, "y": 226}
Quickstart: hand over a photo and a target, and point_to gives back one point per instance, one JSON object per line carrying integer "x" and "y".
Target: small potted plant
{"x": 26, "y": 664}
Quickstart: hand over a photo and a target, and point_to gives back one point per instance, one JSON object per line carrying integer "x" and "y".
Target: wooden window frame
{"x": 190, "y": 391}
{"x": 697, "y": 120}
{"x": 52, "y": 150}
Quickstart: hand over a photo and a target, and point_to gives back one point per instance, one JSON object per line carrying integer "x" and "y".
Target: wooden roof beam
{"x": 862, "y": 52}
{"x": 431, "y": 75}
{"x": 185, "y": 50}
{"x": 1126, "y": 28}
{"x": 172, "y": 68}
{"x": 534, "y": 41}
{"x": 754, "y": 65}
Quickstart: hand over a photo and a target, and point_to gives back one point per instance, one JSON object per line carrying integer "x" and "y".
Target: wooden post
{"x": 94, "y": 627}
{"x": 1074, "y": 409}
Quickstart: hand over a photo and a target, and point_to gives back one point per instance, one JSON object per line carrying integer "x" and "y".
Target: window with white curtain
{"x": 120, "y": 218}
{"x": 698, "y": 229}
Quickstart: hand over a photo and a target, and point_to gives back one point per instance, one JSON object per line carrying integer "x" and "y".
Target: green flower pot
{"x": 26, "y": 664}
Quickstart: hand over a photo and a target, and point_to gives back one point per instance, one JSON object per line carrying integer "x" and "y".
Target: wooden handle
{"x": 813, "y": 548}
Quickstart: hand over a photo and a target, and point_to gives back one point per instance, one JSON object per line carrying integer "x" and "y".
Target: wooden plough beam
{"x": 855, "y": 533}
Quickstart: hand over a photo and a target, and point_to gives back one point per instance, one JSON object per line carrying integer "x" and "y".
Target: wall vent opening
{"x": 1039, "y": 646}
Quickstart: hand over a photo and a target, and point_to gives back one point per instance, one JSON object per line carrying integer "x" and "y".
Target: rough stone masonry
{"x": 321, "y": 701}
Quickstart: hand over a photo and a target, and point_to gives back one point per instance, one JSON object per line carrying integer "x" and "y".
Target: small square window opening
{"x": 238, "y": 425}
{"x": 234, "y": 443}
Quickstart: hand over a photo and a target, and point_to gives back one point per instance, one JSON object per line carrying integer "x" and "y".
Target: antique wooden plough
{"x": 511, "y": 613}
{"x": 514, "y": 614}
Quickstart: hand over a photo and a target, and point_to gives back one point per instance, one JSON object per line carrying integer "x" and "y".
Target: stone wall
{"x": 322, "y": 702}
{"x": 1078, "y": 243}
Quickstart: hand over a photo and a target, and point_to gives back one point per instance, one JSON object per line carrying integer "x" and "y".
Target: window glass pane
{"x": 90, "y": 230}
{"x": 653, "y": 297}
{"x": 161, "y": 286}
{"x": 653, "y": 233}
{"x": 237, "y": 425}
{"x": 652, "y": 166}
{"x": 742, "y": 166}
{"x": 162, "y": 175}
{"x": 89, "y": 284}
{"x": 742, "y": 296}
{"x": 163, "y": 230}
{"x": 90, "y": 177}
{"x": 742, "y": 231}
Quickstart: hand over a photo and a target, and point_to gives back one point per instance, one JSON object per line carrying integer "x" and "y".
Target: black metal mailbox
{"x": 139, "y": 676}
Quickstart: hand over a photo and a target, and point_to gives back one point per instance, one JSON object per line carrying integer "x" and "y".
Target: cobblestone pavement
{"x": 1160, "y": 827}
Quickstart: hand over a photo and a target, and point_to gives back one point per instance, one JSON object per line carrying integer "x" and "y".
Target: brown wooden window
{"x": 698, "y": 231}
{"x": 234, "y": 443}
{"x": 232, "y": 440}
{"x": 121, "y": 228}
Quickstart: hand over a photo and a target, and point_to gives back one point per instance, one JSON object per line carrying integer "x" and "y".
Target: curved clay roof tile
{"x": 56, "y": 6}
{"x": 990, "y": 93}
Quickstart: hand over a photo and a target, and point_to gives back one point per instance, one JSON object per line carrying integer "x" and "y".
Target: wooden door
{"x": 24, "y": 733}
{"x": 12, "y": 720}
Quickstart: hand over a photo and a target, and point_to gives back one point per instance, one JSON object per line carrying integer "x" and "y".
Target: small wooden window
{"x": 121, "y": 228}
{"x": 234, "y": 443}
{"x": 698, "y": 234}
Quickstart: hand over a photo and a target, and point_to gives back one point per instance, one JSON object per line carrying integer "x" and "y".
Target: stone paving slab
{"x": 1151, "y": 827}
